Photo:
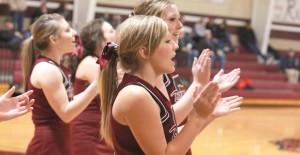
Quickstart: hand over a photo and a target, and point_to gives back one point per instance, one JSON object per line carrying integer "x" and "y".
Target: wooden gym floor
{"x": 250, "y": 131}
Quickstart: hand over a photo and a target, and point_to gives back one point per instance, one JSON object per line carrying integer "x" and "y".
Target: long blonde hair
{"x": 45, "y": 26}
{"x": 152, "y": 7}
{"x": 132, "y": 34}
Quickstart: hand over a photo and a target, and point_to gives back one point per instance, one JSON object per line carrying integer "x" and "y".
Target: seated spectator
{"x": 39, "y": 11}
{"x": 273, "y": 56}
{"x": 217, "y": 55}
{"x": 223, "y": 38}
{"x": 200, "y": 29}
{"x": 247, "y": 39}
{"x": 288, "y": 65}
{"x": 186, "y": 50}
{"x": 62, "y": 9}
{"x": 212, "y": 26}
{"x": 181, "y": 56}
{"x": 12, "y": 38}
{"x": 17, "y": 12}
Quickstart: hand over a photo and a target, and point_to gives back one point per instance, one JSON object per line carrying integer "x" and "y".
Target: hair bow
{"x": 109, "y": 50}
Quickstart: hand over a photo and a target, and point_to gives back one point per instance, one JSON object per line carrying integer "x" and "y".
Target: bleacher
{"x": 10, "y": 68}
{"x": 270, "y": 86}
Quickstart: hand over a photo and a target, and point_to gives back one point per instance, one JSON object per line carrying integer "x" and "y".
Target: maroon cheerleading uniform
{"x": 175, "y": 90}
{"x": 174, "y": 86}
{"x": 86, "y": 138}
{"x": 51, "y": 134}
{"x": 123, "y": 139}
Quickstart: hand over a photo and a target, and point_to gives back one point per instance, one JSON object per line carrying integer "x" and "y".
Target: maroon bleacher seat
{"x": 243, "y": 49}
{"x": 6, "y": 65}
{"x": 17, "y": 65}
{"x": 18, "y": 77}
{"x": 267, "y": 81}
{"x": 6, "y": 54}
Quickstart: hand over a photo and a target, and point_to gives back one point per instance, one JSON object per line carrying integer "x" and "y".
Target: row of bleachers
{"x": 269, "y": 85}
{"x": 267, "y": 80}
{"x": 10, "y": 68}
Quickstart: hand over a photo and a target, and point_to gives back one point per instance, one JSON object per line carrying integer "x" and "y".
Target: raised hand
{"x": 227, "y": 81}
{"x": 201, "y": 68}
{"x": 227, "y": 105}
{"x": 12, "y": 107}
{"x": 206, "y": 100}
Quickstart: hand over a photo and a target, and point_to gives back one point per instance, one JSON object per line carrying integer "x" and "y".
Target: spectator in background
{"x": 39, "y": 11}
{"x": 247, "y": 39}
{"x": 199, "y": 29}
{"x": 217, "y": 55}
{"x": 212, "y": 26}
{"x": 288, "y": 65}
{"x": 12, "y": 38}
{"x": 187, "y": 50}
{"x": 17, "y": 9}
{"x": 181, "y": 56}
{"x": 116, "y": 20}
{"x": 108, "y": 17}
{"x": 223, "y": 38}
{"x": 273, "y": 56}
{"x": 62, "y": 9}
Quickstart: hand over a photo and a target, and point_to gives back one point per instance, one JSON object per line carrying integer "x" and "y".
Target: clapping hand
{"x": 206, "y": 101}
{"x": 201, "y": 68}
{"x": 209, "y": 103}
{"x": 12, "y": 107}
{"x": 227, "y": 105}
{"x": 227, "y": 81}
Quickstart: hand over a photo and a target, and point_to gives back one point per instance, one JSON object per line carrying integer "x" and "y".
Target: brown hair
{"x": 45, "y": 26}
{"x": 92, "y": 35}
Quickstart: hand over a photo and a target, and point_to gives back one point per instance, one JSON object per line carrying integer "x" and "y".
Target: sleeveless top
{"x": 92, "y": 111}
{"x": 175, "y": 90}
{"x": 174, "y": 86}
{"x": 94, "y": 106}
{"x": 123, "y": 139}
{"x": 86, "y": 138}
{"x": 51, "y": 135}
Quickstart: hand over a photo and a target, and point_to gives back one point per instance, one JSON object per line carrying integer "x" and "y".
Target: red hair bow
{"x": 109, "y": 51}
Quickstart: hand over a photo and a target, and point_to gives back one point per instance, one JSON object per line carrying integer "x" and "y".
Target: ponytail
{"x": 107, "y": 86}
{"x": 28, "y": 58}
